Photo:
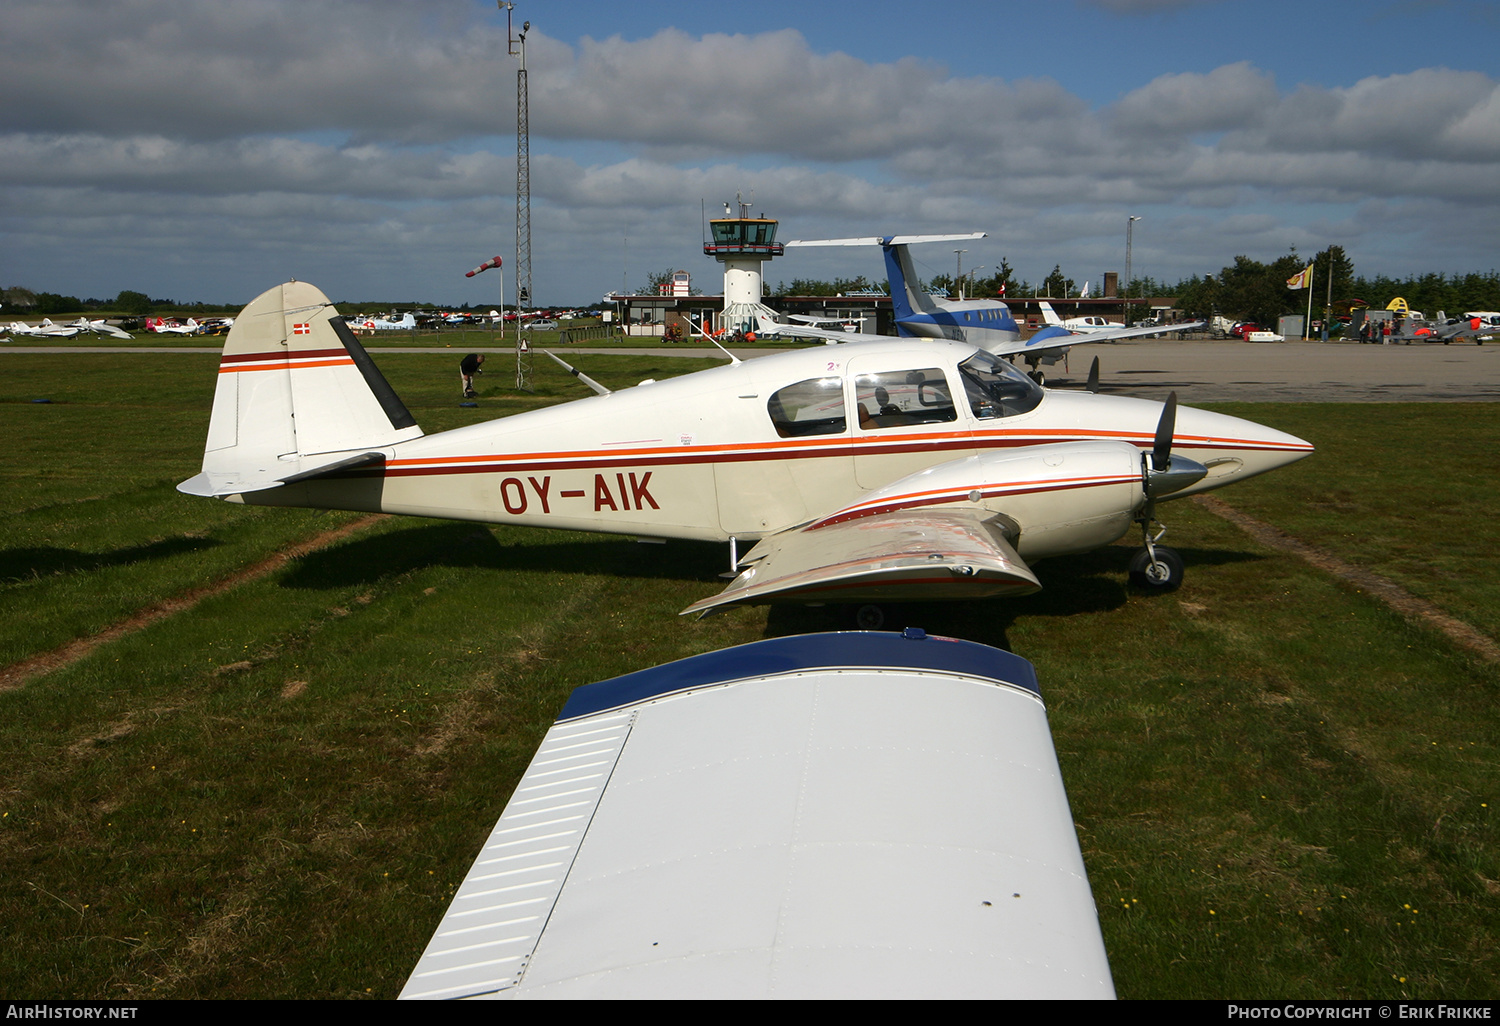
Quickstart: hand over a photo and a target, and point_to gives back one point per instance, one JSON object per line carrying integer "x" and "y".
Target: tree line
{"x": 1246, "y": 289}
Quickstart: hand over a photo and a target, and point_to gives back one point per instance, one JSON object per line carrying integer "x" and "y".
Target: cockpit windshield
{"x": 996, "y": 389}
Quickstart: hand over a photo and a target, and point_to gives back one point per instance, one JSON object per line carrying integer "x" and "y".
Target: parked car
{"x": 540, "y": 325}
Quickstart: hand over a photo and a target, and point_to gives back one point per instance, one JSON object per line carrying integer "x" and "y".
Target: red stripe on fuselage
{"x": 608, "y": 459}
{"x": 284, "y": 354}
{"x": 284, "y": 360}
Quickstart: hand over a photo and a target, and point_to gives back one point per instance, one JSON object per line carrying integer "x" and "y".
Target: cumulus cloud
{"x": 380, "y": 69}
{"x": 1230, "y": 97}
{"x": 386, "y": 126}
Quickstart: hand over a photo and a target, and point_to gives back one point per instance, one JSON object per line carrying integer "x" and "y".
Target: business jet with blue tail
{"x": 891, "y": 470}
{"x": 986, "y": 323}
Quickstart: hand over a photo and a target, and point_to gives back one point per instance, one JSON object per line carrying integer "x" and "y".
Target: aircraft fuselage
{"x": 751, "y": 449}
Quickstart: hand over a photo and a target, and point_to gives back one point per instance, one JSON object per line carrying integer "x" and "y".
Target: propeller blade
{"x": 1093, "y": 382}
{"x": 1161, "y": 452}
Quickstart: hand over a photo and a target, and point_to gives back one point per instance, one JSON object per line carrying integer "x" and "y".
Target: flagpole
{"x": 1310, "y": 275}
{"x": 1328, "y": 306}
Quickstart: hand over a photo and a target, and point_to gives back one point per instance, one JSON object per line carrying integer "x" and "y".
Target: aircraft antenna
{"x": 523, "y": 196}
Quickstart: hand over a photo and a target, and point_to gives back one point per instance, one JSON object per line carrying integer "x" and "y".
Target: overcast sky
{"x": 208, "y": 149}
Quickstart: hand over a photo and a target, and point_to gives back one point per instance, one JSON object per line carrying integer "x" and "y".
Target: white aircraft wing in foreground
{"x": 851, "y": 815}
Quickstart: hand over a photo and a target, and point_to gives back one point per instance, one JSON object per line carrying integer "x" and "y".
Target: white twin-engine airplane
{"x": 881, "y": 471}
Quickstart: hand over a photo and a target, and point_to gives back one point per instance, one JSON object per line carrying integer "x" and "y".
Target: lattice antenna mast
{"x": 517, "y": 44}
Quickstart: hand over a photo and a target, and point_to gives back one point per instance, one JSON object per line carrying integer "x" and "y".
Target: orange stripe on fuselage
{"x": 284, "y": 359}
{"x": 289, "y": 364}
{"x": 780, "y": 450}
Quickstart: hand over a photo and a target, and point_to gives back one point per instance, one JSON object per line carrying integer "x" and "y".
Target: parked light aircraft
{"x": 161, "y": 327}
{"x": 898, "y": 828}
{"x": 405, "y": 323}
{"x": 1079, "y": 325}
{"x": 44, "y": 330}
{"x": 1444, "y": 329}
{"x": 100, "y": 327}
{"x": 986, "y": 323}
{"x": 888, "y": 470}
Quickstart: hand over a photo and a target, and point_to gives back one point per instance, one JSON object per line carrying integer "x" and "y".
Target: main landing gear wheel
{"x": 1038, "y": 377}
{"x": 869, "y": 617}
{"x": 1163, "y": 573}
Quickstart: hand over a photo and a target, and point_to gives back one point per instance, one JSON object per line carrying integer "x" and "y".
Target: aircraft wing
{"x": 895, "y": 556}
{"x": 829, "y": 335}
{"x": 852, "y": 815}
{"x": 1057, "y": 337}
{"x": 940, "y": 533}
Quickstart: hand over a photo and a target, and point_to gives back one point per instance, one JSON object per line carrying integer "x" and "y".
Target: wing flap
{"x": 927, "y": 554}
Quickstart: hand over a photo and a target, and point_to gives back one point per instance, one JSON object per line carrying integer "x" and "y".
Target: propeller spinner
{"x": 1166, "y": 473}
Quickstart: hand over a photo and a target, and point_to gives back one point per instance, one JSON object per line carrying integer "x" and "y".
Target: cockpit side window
{"x": 902, "y": 398}
{"x": 811, "y": 407}
{"x": 996, "y": 389}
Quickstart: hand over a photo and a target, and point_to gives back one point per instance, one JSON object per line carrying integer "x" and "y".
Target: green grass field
{"x": 1282, "y": 788}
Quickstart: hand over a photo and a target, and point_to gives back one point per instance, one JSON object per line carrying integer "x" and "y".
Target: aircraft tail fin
{"x": 1049, "y": 315}
{"x": 297, "y": 395}
{"x": 906, "y": 298}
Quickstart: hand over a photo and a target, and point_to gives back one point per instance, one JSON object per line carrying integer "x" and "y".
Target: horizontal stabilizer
{"x": 928, "y": 554}
{"x": 887, "y": 240}
{"x": 218, "y": 484}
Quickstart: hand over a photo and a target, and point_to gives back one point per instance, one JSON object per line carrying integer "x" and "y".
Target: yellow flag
{"x": 1302, "y": 279}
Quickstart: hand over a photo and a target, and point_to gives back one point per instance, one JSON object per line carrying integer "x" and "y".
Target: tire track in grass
{"x": 19, "y": 673}
{"x": 1383, "y": 588}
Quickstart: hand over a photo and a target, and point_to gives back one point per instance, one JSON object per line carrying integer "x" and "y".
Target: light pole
{"x": 1129, "y": 232}
{"x": 517, "y": 48}
{"x": 958, "y": 273}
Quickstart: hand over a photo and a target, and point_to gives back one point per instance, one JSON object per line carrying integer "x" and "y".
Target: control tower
{"x": 742, "y": 244}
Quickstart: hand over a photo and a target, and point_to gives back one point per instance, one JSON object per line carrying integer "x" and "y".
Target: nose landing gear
{"x": 1155, "y": 567}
